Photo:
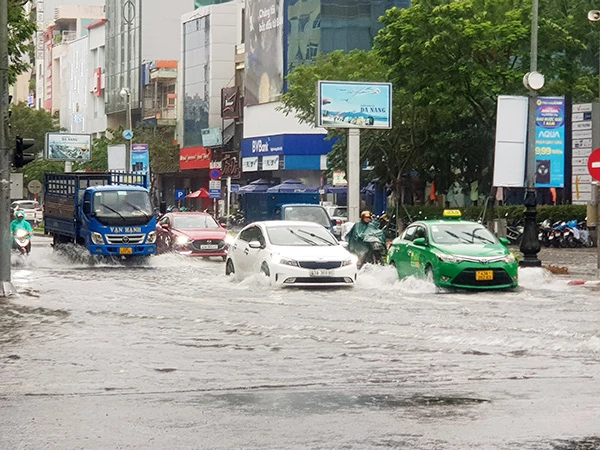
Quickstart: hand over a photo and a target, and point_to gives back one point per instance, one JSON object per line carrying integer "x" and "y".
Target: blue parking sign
{"x": 179, "y": 194}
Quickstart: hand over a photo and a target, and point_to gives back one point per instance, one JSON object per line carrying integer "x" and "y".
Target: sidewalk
{"x": 581, "y": 263}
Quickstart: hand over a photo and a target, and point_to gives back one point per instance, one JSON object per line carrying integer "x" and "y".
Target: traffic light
{"x": 21, "y": 158}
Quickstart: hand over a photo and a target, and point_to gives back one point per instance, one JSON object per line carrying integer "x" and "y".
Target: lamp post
{"x": 594, "y": 16}
{"x": 126, "y": 94}
{"x": 530, "y": 244}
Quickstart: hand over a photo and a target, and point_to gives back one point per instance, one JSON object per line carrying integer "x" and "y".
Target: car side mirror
{"x": 164, "y": 226}
{"x": 421, "y": 242}
{"x": 504, "y": 241}
{"x": 254, "y": 244}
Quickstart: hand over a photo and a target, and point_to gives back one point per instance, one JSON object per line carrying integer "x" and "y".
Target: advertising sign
{"x": 345, "y": 104}
{"x": 194, "y": 158}
{"x": 230, "y": 104}
{"x": 550, "y": 142}
{"x": 68, "y": 147}
{"x": 211, "y": 137}
{"x": 140, "y": 158}
{"x": 264, "y": 51}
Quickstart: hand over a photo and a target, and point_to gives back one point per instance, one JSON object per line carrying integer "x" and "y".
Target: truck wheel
{"x": 229, "y": 269}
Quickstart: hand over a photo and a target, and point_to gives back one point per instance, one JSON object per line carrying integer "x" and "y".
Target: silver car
{"x": 340, "y": 215}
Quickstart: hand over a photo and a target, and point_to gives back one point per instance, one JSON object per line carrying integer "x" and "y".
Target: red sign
{"x": 594, "y": 164}
{"x": 194, "y": 158}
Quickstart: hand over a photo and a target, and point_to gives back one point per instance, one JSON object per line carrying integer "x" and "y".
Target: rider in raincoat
{"x": 362, "y": 238}
{"x": 19, "y": 224}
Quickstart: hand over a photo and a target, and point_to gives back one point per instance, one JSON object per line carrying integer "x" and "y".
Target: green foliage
{"x": 512, "y": 214}
{"x": 20, "y": 43}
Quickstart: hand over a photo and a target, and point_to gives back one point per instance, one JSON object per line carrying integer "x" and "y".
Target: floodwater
{"x": 177, "y": 355}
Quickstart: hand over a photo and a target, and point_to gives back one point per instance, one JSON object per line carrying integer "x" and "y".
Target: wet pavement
{"x": 177, "y": 355}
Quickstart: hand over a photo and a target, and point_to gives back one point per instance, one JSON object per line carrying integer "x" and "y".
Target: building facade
{"x": 281, "y": 35}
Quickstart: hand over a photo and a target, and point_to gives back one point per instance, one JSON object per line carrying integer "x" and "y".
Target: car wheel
{"x": 429, "y": 274}
{"x": 229, "y": 269}
{"x": 265, "y": 269}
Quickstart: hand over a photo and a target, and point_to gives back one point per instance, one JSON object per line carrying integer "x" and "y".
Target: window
{"x": 409, "y": 234}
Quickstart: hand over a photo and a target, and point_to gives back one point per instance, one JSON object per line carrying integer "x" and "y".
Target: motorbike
{"x": 375, "y": 240}
{"x": 22, "y": 242}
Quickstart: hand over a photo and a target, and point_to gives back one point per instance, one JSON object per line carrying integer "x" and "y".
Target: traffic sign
{"x": 34, "y": 186}
{"x": 214, "y": 193}
{"x": 234, "y": 187}
{"x": 179, "y": 194}
{"x": 215, "y": 174}
{"x": 128, "y": 134}
{"x": 594, "y": 164}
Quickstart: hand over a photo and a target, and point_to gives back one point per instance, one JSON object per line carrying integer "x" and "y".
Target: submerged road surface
{"x": 175, "y": 355}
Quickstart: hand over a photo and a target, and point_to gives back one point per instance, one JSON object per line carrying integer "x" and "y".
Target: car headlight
{"x": 449, "y": 258}
{"x": 182, "y": 240}
{"x": 510, "y": 258}
{"x": 277, "y": 259}
{"x": 97, "y": 238}
{"x": 229, "y": 239}
{"x": 151, "y": 237}
{"x": 353, "y": 260}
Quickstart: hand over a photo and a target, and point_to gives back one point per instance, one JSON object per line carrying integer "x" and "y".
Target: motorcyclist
{"x": 20, "y": 224}
{"x": 356, "y": 238}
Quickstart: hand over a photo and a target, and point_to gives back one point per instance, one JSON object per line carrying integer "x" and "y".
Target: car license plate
{"x": 125, "y": 251}
{"x": 321, "y": 273}
{"x": 484, "y": 275}
{"x": 209, "y": 247}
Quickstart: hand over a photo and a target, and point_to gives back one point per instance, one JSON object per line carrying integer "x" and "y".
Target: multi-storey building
{"x": 280, "y": 35}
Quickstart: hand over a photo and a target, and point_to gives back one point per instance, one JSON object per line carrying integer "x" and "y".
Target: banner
{"x": 342, "y": 104}
{"x": 550, "y": 142}
{"x": 264, "y": 51}
{"x": 68, "y": 147}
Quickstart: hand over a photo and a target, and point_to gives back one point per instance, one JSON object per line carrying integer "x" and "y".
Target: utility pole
{"x": 6, "y": 287}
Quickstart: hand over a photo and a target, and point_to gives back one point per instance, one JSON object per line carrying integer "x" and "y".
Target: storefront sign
{"x": 194, "y": 158}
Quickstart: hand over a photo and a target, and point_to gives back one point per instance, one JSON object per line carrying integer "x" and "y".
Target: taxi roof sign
{"x": 452, "y": 214}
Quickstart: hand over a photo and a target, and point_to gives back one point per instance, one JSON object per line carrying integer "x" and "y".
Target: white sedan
{"x": 291, "y": 253}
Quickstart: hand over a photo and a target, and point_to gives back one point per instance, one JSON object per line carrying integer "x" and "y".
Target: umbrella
{"x": 200, "y": 193}
{"x": 292, "y": 186}
{"x": 260, "y": 185}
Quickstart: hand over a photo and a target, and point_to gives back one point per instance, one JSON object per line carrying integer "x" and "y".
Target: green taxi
{"x": 454, "y": 253}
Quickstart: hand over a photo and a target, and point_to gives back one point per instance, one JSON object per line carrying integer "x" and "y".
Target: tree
{"x": 20, "y": 44}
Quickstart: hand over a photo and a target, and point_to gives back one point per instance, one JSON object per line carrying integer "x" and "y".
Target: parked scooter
{"x": 22, "y": 242}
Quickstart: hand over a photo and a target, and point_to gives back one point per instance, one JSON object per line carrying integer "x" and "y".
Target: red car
{"x": 193, "y": 234}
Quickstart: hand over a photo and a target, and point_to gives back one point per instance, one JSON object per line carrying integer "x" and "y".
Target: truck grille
{"x": 125, "y": 238}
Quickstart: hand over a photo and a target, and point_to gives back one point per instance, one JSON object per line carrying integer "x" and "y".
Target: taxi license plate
{"x": 209, "y": 247}
{"x": 125, "y": 251}
{"x": 484, "y": 275}
{"x": 321, "y": 273}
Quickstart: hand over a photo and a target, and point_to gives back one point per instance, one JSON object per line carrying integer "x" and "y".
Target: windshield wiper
{"x": 318, "y": 237}
{"x": 113, "y": 210}
{"x": 137, "y": 208}
{"x": 456, "y": 236}
{"x": 481, "y": 238}
{"x": 308, "y": 241}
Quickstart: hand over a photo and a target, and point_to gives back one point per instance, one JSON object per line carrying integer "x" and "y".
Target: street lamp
{"x": 126, "y": 94}
{"x": 530, "y": 244}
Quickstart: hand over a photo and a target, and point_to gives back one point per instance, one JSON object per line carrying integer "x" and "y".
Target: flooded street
{"x": 177, "y": 355}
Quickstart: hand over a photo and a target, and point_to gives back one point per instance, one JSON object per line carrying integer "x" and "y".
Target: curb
{"x": 585, "y": 283}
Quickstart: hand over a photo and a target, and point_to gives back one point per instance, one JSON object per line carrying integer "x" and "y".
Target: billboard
{"x": 511, "y": 141}
{"x": 550, "y": 142}
{"x": 68, "y": 147}
{"x": 264, "y": 51}
{"x": 230, "y": 103}
{"x": 345, "y": 104}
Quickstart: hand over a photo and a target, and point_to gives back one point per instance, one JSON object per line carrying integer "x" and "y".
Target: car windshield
{"x": 307, "y": 213}
{"x": 194, "y": 221}
{"x": 340, "y": 212}
{"x": 122, "y": 207}
{"x": 301, "y": 235}
{"x": 461, "y": 233}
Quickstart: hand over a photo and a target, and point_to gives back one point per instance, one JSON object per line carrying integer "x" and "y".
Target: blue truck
{"x": 285, "y": 206}
{"x": 110, "y": 214}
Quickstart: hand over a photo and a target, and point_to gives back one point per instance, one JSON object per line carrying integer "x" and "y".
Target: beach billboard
{"x": 68, "y": 147}
{"x": 345, "y": 104}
